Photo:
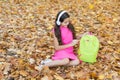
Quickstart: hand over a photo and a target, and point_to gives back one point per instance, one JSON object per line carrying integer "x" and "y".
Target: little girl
{"x": 64, "y": 40}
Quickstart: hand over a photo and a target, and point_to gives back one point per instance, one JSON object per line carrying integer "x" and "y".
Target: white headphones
{"x": 58, "y": 19}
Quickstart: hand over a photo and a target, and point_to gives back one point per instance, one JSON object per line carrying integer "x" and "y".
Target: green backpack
{"x": 88, "y": 48}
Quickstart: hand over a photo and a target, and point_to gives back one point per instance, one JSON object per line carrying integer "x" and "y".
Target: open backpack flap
{"x": 88, "y": 48}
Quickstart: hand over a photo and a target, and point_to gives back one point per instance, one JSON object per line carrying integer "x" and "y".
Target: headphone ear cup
{"x": 58, "y": 23}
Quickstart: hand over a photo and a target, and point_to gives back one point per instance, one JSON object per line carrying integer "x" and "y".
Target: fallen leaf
{"x": 1, "y": 22}
{"x": 2, "y": 59}
{"x": 7, "y": 68}
{"x": 101, "y": 76}
{"x": 23, "y": 73}
{"x": 33, "y": 79}
{"x": 57, "y": 77}
{"x": 110, "y": 42}
{"x": 91, "y": 6}
{"x": 45, "y": 78}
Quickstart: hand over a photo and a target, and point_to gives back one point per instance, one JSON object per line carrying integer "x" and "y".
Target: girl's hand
{"x": 79, "y": 36}
{"x": 86, "y": 33}
{"x": 74, "y": 42}
{"x": 82, "y": 35}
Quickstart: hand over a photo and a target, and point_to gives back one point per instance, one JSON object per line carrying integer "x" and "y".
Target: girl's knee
{"x": 66, "y": 61}
{"x": 76, "y": 62}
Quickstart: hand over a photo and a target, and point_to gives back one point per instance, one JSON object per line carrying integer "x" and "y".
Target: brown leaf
{"x": 45, "y": 78}
{"x": 23, "y": 73}
{"x": 7, "y": 68}
{"x": 34, "y": 73}
{"x": 1, "y": 75}
{"x": 2, "y": 59}
{"x": 58, "y": 77}
{"x": 101, "y": 76}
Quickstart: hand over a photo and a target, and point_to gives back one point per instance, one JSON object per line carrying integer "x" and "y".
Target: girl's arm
{"x": 59, "y": 47}
{"x": 78, "y": 37}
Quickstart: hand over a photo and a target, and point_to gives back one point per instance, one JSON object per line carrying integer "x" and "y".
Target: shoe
{"x": 46, "y": 61}
{"x": 43, "y": 62}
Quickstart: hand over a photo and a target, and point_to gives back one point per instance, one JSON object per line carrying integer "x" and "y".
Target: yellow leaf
{"x": 101, "y": 76}
{"x": 50, "y": 27}
{"x": 118, "y": 50}
{"x": 1, "y": 22}
{"x": 32, "y": 17}
{"x": 91, "y": 6}
{"x": 110, "y": 42}
{"x": 23, "y": 73}
{"x": 93, "y": 74}
{"x": 0, "y": 10}
{"x": 45, "y": 78}
{"x": 57, "y": 77}
{"x": 109, "y": 76}
{"x": 19, "y": 52}
{"x": 33, "y": 78}
{"x": 20, "y": 61}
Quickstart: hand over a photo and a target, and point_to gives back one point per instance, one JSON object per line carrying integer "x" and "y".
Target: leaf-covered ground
{"x": 26, "y": 38}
